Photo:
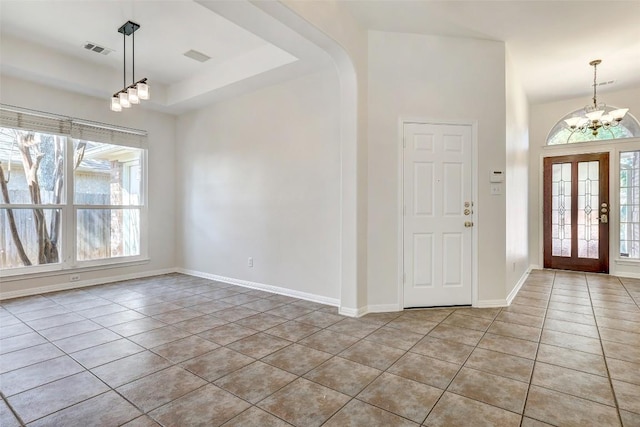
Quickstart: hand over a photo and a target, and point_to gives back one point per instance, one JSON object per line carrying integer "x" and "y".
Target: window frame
{"x": 629, "y": 258}
{"x": 142, "y": 207}
{"x": 67, "y": 244}
{"x": 629, "y": 123}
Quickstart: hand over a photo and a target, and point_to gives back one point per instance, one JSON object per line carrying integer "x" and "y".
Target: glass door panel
{"x": 588, "y": 209}
{"x": 561, "y": 209}
{"x": 576, "y": 197}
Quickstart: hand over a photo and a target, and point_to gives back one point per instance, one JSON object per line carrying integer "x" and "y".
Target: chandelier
{"x": 597, "y": 116}
{"x": 136, "y": 91}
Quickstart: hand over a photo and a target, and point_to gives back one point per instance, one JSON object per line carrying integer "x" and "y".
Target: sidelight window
{"x": 630, "y": 204}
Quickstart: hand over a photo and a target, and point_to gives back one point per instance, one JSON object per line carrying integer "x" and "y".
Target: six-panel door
{"x": 438, "y": 215}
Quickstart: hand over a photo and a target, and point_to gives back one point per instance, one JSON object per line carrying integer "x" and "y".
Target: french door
{"x": 576, "y": 212}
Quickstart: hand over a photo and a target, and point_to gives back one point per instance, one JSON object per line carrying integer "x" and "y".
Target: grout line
{"x": 74, "y": 404}
{"x": 291, "y": 343}
{"x": 461, "y": 365}
{"x": 637, "y": 303}
{"x": 604, "y": 357}
{"x": 179, "y": 364}
{"x": 443, "y": 390}
{"x": 351, "y": 398}
{"x": 13, "y": 411}
{"x": 535, "y": 360}
{"x": 382, "y": 372}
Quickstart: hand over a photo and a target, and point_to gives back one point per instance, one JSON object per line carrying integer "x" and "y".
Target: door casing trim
{"x": 604, "y": 239}
{"x": 613, "y": 147}
{"x": 474, "y": 190}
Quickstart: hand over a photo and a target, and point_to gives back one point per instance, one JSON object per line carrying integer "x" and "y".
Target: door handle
{"x": 468, "y": 224}
{"x": 604, "y": 219}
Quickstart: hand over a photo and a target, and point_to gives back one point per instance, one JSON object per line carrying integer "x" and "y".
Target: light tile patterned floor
{"x": 176, "y": 350}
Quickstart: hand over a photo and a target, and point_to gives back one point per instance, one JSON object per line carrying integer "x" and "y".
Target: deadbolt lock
{"x": 467, "y": 211}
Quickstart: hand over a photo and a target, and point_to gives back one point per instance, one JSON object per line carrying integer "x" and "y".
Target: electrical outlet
{"x": 74, "y": 277}
{"x": 250, "y": 262}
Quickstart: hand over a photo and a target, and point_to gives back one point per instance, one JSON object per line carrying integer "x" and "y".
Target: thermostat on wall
{"x": 497, "y": 176}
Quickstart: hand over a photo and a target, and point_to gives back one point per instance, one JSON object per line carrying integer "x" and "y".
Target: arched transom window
{"x": 561, "y": 134}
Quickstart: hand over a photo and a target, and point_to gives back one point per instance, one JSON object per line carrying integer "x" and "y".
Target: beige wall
{"x": 259, "y": 176}
{"x": 417, "y": 76}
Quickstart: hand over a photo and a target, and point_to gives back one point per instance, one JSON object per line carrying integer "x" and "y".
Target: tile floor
{"x": 176, "y": 350}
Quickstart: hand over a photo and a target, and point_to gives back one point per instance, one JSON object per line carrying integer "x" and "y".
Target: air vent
{"x": 96, "y": 48}
{"x": 198, "y": 56}
{"x": 610, "y": 82}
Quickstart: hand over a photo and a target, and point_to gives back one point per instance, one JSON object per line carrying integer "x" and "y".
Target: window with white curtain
{"x": 73, "y": 193}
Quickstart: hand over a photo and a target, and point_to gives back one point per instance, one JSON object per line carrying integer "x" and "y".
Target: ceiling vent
{"x": 198, "y": 56}
{"x": 610, "y": 82}
{"x": 98, "y": 49}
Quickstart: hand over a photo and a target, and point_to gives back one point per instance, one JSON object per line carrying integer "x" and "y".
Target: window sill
{"x": 8, "y": 275}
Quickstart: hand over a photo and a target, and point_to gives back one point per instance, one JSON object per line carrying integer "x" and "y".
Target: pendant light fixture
{"x": 596, "y": 116}
{"x": 136, "y": 91}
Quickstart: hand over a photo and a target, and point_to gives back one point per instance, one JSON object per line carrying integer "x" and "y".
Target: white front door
{"x": 438, "y": 214}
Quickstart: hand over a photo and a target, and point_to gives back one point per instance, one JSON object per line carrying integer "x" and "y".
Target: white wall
{"x": 418, "y": 76}
{"x": 260, "y": 177}
{"x": 542, "y": 118}
{"x": 161, "y": 174}
{"x": 331, "y": 26}
{"x": 516, "y": 182}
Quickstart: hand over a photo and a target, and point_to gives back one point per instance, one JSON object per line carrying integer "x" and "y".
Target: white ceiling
{"x": 549, "y": 42}
{"x": 43, "y": 40}
{"x": 166, "y": 32}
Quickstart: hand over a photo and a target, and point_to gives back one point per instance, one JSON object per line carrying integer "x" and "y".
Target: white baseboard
{"x": 352, "y": 312}
{"x": 626, "y": 268}
{"x": 491, "y": 303}
{"x": 628, "y": 275}
{"x": 379, "y": 308}
{"x": 518, "y": 285}
{"x": 263, "y": 287}
{"x": 83, "y": 283}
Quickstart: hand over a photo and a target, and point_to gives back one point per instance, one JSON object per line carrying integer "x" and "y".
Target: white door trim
{"x": 474, "y": 188}
{"x": 614, "y": 148}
